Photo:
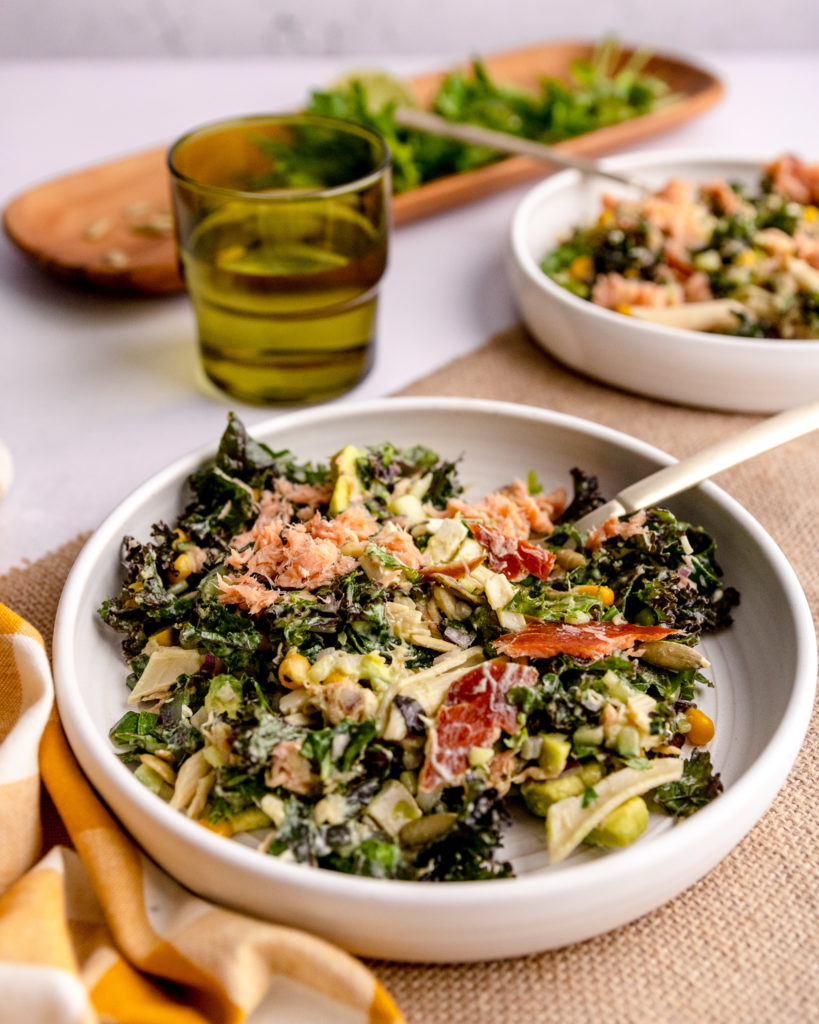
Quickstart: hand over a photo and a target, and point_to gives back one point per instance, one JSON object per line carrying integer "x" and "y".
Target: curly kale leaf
{"x": 136, "y": 732}
{"x": 145, "y": 604}
{"x": 373, "y": 858}
{"x": 223, "y": 505}
{"x": 666, "y": 573}
{"x": 572, "y": 692}
{"x": 223, "y": 632}
{"x": 485, "y": 624}
{"x": 348, "y": 613}
{"x": 382, "y": 466}
{"x": 257, "y": 732}
{"x": 235, "y": 791}
{"x": 174, "y": 727}
{"x": 666, "y": 684}
{"x": 388, "y": 464}
{"x": 468, "y": 850}
{"x": 336, "y": 846}
{"x": 444, "y": 484}
{"x": 241, "y": 455}
{"x": 586, "y": 497}
{"x": 698, "y": 786}
{"x": 340, "y": 747}
{"x": 539, "y": 600}
{"x": 568, "y": 696}
{"x": 225, "y": 488}
{"x": 170, "y": 729}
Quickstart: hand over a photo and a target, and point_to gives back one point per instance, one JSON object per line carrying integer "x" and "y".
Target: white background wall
{"x": 122, "y": 28}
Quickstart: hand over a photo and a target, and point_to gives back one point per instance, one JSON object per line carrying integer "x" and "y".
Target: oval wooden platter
{"x": 109, "y": 226}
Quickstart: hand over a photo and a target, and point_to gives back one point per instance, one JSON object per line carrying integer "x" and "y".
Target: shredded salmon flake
{"x": 513, "y": 511}
{"x": 278, "y": 554}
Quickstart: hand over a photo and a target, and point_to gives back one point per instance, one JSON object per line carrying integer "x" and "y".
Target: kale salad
{"x": 716, "y": 256}
{"x": 353, "y": 666}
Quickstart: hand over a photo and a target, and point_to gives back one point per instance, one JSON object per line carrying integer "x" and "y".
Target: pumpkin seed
{"x": 677, "y": 657}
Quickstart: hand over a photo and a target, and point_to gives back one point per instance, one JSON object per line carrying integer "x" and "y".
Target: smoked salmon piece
{"x": 592, "y": 640}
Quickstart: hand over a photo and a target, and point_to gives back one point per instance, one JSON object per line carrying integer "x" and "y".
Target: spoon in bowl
{"x": 681, "y": 475}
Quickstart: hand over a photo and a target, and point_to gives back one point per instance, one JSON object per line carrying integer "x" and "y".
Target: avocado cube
{"x": 554, "y": 753}
{"x": 346, "y": 485}
{"x": 622, "y": 825}
{"x": 249, "y": 819}
{"x": 539, "y": 796}
{"x": 590, "y": 773}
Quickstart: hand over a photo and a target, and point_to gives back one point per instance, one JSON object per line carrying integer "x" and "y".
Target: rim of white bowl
{"x": 550, "y": 189}
{"x": 772, "y": 764}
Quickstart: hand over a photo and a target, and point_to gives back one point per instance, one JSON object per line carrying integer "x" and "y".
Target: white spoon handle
{"x": 681, "y": 475}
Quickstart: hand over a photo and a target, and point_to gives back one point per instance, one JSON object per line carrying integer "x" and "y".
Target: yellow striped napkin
{"x": 96, "y": 932}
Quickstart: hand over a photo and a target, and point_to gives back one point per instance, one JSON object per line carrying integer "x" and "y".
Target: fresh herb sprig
{"x": 600, "y": 91}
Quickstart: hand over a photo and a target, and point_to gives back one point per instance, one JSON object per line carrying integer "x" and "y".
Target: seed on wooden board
{"x": 98, "y": 229}
{"x": 116, "y": 258}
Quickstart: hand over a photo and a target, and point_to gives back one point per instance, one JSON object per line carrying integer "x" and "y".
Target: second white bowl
{"x": 689, "y": 367}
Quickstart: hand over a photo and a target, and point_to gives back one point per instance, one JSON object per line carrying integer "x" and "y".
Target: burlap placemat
{"x": 742, "y": 945}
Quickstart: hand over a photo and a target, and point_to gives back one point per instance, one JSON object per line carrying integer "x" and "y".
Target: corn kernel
{"x": 810, "y": 213}
{"x": 702, "y": 728}
{"x": 604, "y": 594}
{"x": 623, "y": 308}
{"x": 221, "y": 827}
{"x": 182, "y": 568}
{"x": 606, "y": 219}
{"x": 293, "y": 670}
{"x": 337, "y": 675}
{"x": 164, "y": 638}
{"x": 747, "y": 258}
{"x": 581, "y": 267}
{"x": 181, "y": 538}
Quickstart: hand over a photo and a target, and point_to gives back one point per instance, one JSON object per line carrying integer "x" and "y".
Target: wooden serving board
{"x": 109, "y": 226}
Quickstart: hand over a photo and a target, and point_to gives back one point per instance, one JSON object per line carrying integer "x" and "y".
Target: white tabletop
{"x": 97, "y": 393}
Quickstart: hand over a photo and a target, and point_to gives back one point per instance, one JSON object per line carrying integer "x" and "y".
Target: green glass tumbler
{"x": 282, "y": 226}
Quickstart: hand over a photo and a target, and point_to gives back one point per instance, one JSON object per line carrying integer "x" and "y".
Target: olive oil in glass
{"x": 284, "y": 278}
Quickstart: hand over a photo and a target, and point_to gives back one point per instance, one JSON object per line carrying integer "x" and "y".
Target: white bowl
{"x": 690, "y": 367}
{"x": 764, "y": 667}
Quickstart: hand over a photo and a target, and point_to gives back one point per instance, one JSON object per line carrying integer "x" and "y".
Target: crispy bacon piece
{"x": 474, "y": 713}
{"x": 514, "y": 558}
{"x": 592, "y": 640}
